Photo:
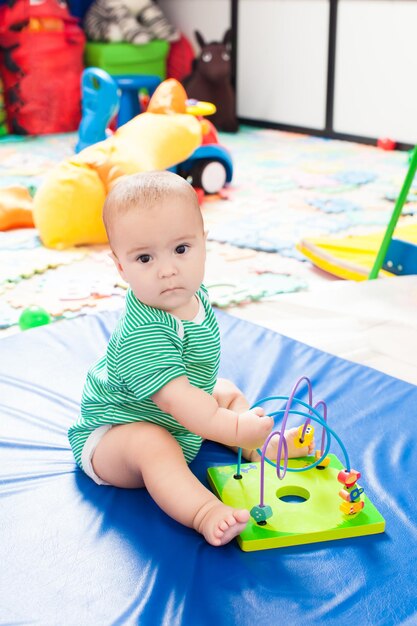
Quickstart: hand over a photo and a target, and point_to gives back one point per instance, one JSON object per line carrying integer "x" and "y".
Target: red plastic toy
{"x": 386, "y": 144}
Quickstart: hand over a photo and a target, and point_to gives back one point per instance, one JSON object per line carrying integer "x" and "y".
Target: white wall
{"x": 210, "y": 17}
{"x": 376, "y": 69}
{"x": 282, "y": 61}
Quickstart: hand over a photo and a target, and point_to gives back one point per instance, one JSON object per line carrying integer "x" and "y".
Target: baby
{"x": 149, "y": 402}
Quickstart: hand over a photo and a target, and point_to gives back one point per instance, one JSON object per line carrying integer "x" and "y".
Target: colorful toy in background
{"x": 385, "y": 143}
{"x": 68, "y": 205}
{"x": 305, "y": 508}
{"x": 100, "y": 99}
{"x": 180, "y": 59}
{"x": 210, "y": 81}
{"x": 32, "y": 317}
{"x": 41, "y": 64}
{"x": 108, "y": 102}
{"x": 209, "y": 167}
{"x": 364, "y": 256}
{"x": 133, "y": 21}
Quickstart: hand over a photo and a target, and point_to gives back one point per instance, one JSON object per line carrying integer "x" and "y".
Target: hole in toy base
{"x": 293, "y": 494}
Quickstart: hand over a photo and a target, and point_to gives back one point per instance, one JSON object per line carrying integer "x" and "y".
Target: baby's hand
{"x": 293, "y": 452}
{"x": 253, "y": 427}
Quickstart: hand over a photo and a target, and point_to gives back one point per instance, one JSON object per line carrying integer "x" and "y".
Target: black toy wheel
{"x": 208, "y": 175}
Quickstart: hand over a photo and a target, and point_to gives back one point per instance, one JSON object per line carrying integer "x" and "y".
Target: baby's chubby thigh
{"x": 127, "y": 452}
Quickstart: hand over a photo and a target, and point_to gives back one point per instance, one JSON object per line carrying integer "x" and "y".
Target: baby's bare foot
{"x": 219, "y": 523}
{"x": 293, "y": 451}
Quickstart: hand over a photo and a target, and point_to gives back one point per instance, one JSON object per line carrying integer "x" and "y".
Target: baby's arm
{"x": 202, "y": 414}
{"x": 230, "y": 396}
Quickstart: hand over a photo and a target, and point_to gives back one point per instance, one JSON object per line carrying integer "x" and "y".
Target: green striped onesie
{"x": 148, "y": 348}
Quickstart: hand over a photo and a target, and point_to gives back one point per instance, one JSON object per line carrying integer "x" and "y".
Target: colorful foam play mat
{"x": 288, "y": 192}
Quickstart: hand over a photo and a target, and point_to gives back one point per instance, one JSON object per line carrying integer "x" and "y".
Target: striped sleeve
{"x": 149, "y": 358}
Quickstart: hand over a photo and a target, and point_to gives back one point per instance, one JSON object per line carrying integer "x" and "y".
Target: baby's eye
{"x": 182, "y": 249}
{"x": 144, "y": 258}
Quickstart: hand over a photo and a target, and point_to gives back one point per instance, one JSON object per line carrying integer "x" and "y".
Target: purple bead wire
{"x": 282, "y": 440}
{"x": 324, "y": 431}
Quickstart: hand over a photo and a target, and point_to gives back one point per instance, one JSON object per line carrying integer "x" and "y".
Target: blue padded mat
{"x": 74, "y": 553}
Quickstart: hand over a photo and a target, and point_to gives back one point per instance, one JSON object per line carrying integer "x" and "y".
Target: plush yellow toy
{"x": 68, "y": 205}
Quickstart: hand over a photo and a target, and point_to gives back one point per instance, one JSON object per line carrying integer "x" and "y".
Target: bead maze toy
{"x": 316, "y": 499}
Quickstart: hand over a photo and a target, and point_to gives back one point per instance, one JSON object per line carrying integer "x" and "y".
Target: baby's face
{"x": 161, "y": 253}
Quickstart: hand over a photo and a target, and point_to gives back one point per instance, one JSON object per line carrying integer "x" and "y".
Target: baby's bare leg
{"x": 146, "y": 455}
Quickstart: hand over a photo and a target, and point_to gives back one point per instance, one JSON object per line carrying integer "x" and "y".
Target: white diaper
{"x": 88, "y": 450}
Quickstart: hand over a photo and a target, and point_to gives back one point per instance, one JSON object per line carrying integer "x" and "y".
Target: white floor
{"x": 370, "y": 322}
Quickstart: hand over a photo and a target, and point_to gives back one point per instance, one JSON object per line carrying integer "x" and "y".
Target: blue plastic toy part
{"x": 100, "y": 102}
{"x": 129, "y": 86}
{"x": 401, "y": 258}
{"x": 261, "y": 513}
{"x": 211, "y": 152}
{"x": 210, "y": 167}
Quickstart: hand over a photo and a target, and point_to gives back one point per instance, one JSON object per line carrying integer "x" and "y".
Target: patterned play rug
{"x": 285, "y": 187}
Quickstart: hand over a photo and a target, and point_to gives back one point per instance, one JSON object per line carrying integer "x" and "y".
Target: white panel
{"x": 282, "y": 61}
{"x": 210, "y": 17}
{"x": 376, "y": 69}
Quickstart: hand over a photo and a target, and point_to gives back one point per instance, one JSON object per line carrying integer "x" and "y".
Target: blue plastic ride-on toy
{"x": 208, "y": 168}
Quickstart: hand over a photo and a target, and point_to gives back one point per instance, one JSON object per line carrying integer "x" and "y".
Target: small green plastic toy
{"x": 33, "y": 316}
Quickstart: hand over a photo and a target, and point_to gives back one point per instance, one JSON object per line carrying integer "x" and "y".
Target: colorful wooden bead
{"x": 350, "y": 508}
{"x": 261, "y": 513}
{"x": 325, "y": 462}
{"x": 348, "y": 478}
{"x": 351, "y": 496}
{"x": 300, "y": 441}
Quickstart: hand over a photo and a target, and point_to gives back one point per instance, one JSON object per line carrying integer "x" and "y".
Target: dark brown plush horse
{"x": 210, "y": 81}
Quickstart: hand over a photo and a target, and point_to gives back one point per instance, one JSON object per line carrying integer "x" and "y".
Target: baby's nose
{"x": 167, "y": 270}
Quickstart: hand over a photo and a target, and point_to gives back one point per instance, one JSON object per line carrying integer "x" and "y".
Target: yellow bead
{"x": 300, "y": 442}
{"x": 325, "y": 462}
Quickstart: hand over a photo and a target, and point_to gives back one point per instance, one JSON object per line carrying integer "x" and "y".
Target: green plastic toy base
{"x": 127, "y": 58}
{"x": 315, "y": 517}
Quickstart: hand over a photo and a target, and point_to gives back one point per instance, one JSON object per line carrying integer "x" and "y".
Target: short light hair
{"x": 144, "y": 190}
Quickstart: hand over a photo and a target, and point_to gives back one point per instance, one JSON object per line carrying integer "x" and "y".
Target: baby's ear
{"x": 117, "y": 264}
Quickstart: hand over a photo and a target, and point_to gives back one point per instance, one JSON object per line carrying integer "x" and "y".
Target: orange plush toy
{"x": 15, "y": 208}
